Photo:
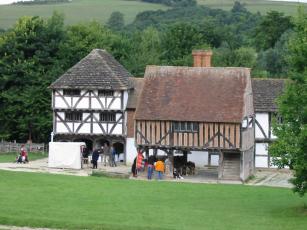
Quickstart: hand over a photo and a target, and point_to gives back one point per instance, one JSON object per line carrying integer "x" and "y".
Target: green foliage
{"x": 274, "y": 60}
{"x": 116, "y": 21}
{"x": 291, "y": 145}
{"x": 241, "y": 57}
{"x": 272, "y": 26}
{"x": 29, "y": 63}
{"x": 142, "y": 48}
{"x": 178, "y": 41}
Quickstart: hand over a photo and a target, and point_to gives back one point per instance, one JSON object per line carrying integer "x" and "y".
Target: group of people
{"x": 152, "y": 164}
{"x": 23, "y": 156}
{"x": 107, "y": 153}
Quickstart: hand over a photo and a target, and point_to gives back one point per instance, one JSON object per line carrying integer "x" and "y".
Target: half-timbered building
{"x": 265, "y": 92}
{"x": 199, "y": 109}
{"x": 89, "y": 101}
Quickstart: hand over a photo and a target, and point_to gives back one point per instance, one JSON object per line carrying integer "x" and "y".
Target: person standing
{"x": 107, "y": 154}
{"x": 113, "y": 153}
{"x": 95, "y": 157}
{"x": 24, "y": 154}
{"x": 151, "y": 161}
{"x": 160, "y": 168}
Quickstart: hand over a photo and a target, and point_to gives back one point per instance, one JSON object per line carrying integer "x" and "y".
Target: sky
{"x": 2, "y": 2}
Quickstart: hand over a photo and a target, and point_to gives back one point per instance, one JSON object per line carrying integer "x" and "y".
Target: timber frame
{"x": 161, "y": 135}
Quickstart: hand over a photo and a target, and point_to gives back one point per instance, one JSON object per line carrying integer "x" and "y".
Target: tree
{"x": 28, "y": 64}
{"x": 144, "y": 48}
{"x": 178, "y": 41}
{"x": 290, "y": 149}
{"x": 272, "y": 26}
{"x": 116, "y": 21}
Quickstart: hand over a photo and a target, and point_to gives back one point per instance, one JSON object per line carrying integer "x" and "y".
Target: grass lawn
{"x": 58, "y": 201}
{"x": 77, "y": 10}
{"x": 10, "y": 157}
{"x": 263, "y": 6}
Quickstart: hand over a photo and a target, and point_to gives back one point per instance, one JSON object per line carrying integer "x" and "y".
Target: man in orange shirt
{"x": 160, "y": 168}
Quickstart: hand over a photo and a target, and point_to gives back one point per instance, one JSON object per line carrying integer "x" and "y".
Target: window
{"x": 105, "y": 93}
{"x": 73, "y": 116}
{"x": 71, "y": 92}
{"x": 185, "y": 126}
{"x": 107, "y": 117}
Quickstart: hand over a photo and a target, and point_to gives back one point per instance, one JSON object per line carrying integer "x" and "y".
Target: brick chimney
{"x": 202, "y": 58}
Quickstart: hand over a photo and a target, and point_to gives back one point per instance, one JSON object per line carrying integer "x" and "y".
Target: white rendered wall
{"x": 263, "y": 120}
{"x": 261, "y": 152}
{"x": 200, "y": 158}
{"x": 125, "y": 99}
{"x": 131, "y": 151}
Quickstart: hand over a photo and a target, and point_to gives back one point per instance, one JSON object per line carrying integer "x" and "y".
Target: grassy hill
{"x": 100, "y": 10}
{"x": 77, "y": 10}
{"x": 263, "y": 6}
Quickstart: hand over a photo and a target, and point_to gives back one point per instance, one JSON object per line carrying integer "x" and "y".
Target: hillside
{"x": 263, "y": 6}
{"x": 77, "y": 10}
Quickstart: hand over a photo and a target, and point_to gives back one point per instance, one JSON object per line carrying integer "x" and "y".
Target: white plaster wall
{"x": 83, "y": 104}
{"x": 96, "y": 128}
{"x": 261, "y": 148}
{"x": 59, "y": 103}
{"x": 60, "y": 114}
{"x": 96, "y": 116}
{"x": 215, "y": 160}
{"x": 130, "y": 150}
{"x": 61, "y": 128}
{"x": 125, "y": 99}
{"x": 116, "y": 105}
{"x": 200, "y": 158}
{"x": 159, "y": 152}
{"x": 95, "y": 103}
{"x": 261, "y": 162}
{"x": 263, "y": 120}
{"x": 118, "y": 115}
{"x": 118, "y": 129}
{"x": 85, "y": 128}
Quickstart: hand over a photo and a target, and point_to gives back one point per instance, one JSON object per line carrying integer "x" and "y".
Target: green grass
{"x": 57, "y": 201}
{"x": 263, "y": 6}
{"x": 10, "y": 157}
{"x": 77, "y": 10}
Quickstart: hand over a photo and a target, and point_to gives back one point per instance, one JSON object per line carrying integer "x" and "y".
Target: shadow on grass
{"x": 110, "y": 175}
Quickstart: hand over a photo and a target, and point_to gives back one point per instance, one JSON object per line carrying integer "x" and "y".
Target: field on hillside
{"x": 263, "y": 6}
{"x": 70, "y": 202}
{"x": 77, "y": 10}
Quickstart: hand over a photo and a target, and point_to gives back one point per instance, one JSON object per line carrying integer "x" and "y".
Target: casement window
{"x": 72, "y": 92}
{"x": 185, "y": 126}
{"x": 73, "y": 116}
{"x": 105, "y": 93}
{"x": 107, "y": 117}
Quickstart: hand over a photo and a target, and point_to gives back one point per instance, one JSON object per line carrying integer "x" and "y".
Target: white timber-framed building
{"x": 227, "y": 124}
{"x": 89, "y": 102}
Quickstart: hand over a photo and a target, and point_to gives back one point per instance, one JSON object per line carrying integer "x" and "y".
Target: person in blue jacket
{"x": 95, "y": 157}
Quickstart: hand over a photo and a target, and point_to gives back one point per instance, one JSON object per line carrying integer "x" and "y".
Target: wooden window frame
{"x": 105, "y": 93}
{"x": 71, "y": 92}
{"x": 107, "y": 117}
{"x": 185, "y": 127}
{"x": 73, "y": 116}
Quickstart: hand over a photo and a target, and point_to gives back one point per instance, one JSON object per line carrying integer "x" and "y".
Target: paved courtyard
{"x": 263, "y": 177}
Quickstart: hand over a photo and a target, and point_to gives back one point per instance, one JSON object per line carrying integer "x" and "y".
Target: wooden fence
{"x": 15, "y": 147}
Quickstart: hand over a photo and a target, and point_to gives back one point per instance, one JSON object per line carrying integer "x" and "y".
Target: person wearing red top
{"x": 24, "y": 154}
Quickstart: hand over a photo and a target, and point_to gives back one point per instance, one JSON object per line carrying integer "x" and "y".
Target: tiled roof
{"x": 265, "y": 92}
{"x": 98, "y": 70}
{"x": 134, "y": 93}
{"x": 193, "y": 94}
